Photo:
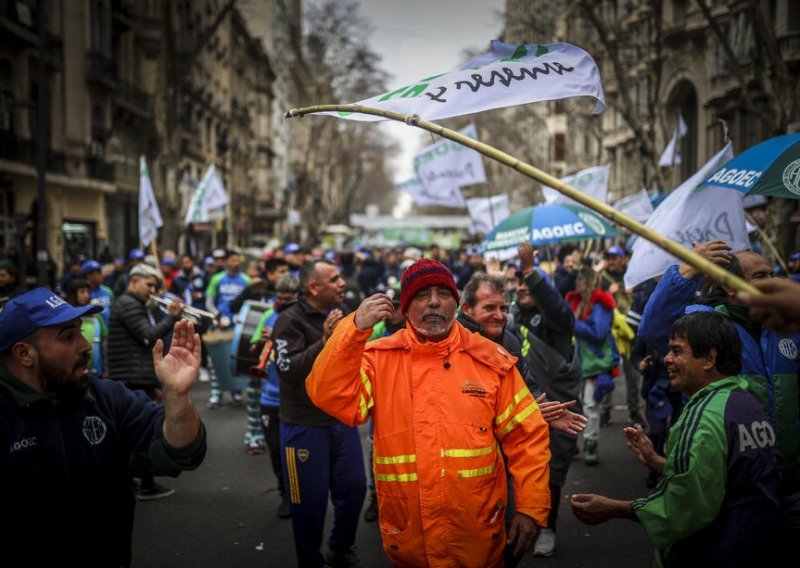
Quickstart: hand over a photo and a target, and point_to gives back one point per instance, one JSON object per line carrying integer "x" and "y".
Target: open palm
{"x": 177, "y": 371}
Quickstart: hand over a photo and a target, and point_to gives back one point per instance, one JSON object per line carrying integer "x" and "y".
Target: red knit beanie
{"x": 422, "y": 274}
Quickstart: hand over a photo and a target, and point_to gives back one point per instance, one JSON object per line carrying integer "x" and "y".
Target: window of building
{"x": 558, "y": 147}
{"x": 79, "y": 238}
{"x": 7, "y": 231}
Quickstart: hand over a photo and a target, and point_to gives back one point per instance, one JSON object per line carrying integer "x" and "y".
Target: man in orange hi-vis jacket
{"x": 445, "y": 403}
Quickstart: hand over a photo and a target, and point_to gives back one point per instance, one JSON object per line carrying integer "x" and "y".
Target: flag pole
{"x": 688, "y": 256}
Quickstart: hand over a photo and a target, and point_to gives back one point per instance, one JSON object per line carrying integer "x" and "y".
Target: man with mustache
{"x": 444, "y": 401}
{"x": 67, "y": 439}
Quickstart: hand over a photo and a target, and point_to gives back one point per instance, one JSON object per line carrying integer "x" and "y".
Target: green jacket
{"x": 717, "y": 502}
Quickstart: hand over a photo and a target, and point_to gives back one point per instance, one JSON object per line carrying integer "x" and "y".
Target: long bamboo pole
{"x": 688, "y": 256}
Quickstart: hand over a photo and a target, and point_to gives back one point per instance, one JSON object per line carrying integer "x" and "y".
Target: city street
{"x": 224, "y": 514}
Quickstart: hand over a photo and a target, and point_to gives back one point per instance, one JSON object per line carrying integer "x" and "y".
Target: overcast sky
{"x": 419, "y": 38}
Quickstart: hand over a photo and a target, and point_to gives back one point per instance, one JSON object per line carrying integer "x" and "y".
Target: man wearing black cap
{"x": 66, "y": 440}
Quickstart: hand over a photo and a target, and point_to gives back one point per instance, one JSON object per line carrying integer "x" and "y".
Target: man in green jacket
{"x": 716, "y": 503}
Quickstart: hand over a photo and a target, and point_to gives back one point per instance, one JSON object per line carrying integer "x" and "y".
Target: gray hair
{"x": 287, "y": 283}
{"x": 479, "y": 280}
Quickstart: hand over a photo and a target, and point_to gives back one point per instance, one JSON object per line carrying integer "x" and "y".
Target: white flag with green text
{"x": 508, "y": 75}
{"x": 149, "y": 215}
{"x": 210, "y": 195}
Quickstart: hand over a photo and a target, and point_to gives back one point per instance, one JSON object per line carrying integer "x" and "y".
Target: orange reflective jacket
{"x": 442, "y": 411}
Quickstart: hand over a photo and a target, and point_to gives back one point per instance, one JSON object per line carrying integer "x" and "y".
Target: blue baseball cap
{"x": 90, "y": 266}
{"x": 33, "y": 310}
{"x": 291, "y": 248}
{"x": 119, "y": 259}
{"x": 616, "y": 250}
{"x": 794, "y": 256}
{"x": 136, "y": 254}
{"x": 168, "y": 262}
{"x": 208, "y": 260}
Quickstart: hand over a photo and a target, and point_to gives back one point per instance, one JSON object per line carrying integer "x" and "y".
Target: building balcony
{"x": 99, "y": 169}
{"x": 101, "y": 70}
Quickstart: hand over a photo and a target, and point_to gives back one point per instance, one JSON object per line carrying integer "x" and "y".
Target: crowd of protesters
{"x": 695, "y": 357}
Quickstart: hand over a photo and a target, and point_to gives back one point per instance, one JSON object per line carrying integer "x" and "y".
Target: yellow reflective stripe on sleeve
{"x": 462, "y": 473}
{"x": 362, "y": 405}
{"x": 368, "y": 388}
{"x": 410, "y": 458}
{"x": 468, "y": 453}
{"x": 402, "y": 477}
{"x": 514, "y": 422}
{"x": 507, "y": 412}
{"x": 294, "y": 482}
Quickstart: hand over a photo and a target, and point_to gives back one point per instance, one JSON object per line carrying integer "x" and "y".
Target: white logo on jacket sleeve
{"x": 788, "y": 348}
{"x": 758, "y": 435}
{"x": 94, "y": 429}
{"x": 283, "y": 355}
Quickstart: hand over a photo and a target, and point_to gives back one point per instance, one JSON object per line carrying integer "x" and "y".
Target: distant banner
{"x": 209, "y": 197}
{"x": 450, "y": 198}
{"x": 507, "y": 76}
{"x": 448, "y": 164}
{"x": 691, "y": 213}
{"x": 149, "y": 215}
{"x": 487, "y": 212}
{"x": 672, "y": 154}
{"x": 591, "y": 181}
{"x": 637, "y": 206}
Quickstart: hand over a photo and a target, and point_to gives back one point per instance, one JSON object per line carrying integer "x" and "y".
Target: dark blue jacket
{"x": 65, "y": 473}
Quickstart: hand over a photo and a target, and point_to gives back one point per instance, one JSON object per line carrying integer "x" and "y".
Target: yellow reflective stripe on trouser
{"x": 514, "y": 422}
{"x": 468, "y": 453}
{"x": 294, "y": 482}
{"x": 402, "y": 477}
{"x": 507, "y": 412}
{"x": 476, "y": 472}
{"x": 409, "y": 458}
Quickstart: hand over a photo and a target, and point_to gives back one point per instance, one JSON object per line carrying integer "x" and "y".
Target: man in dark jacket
{"x": 322, "y": 455}
{"x": 132, "y": 332}
{"x": 66, "y": 440}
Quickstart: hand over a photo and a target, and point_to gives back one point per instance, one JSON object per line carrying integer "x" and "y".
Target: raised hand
{"x": 177, "y": 371}
{"x": 372, "y": 310}
{"x": 527, "y": 258}
{"x": 778, "y": 307}
{"x": 642, "y": 446}
{"x": 718, "y": 252}
{"x": 330, "y": 323}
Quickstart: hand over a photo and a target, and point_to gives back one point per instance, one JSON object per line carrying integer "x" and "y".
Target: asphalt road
{"x": 224, "y": 513}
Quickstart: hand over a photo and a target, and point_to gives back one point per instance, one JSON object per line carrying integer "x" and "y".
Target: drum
{"x": 243, "y": 354}
{"x": 218, "y": 343}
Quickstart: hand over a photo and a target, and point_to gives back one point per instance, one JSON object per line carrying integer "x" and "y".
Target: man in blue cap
{"x": 612, "y": 279}
{"x": 293, "y": 254}
{"x": 100, "y": 294}
{"x": 67, "y": 439}
{"x": 135, "y": 257}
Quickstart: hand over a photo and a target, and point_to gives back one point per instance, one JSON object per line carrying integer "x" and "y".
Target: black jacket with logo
{"x": 297, "y": 343}
{"x": 65, "y": 482}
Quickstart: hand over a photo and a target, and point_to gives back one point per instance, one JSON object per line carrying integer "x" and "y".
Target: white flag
{"x": 149, "y": 215}
{"x": 672, "y": 154}
{"x": 208, "y": 196}
{"x": 448, "y": 164}
{"x": 487, "y": 212}
{"x": 691, "y": 213}
{"x": 591, "y": 181}
{"x": 637, "y": 206}
{"x": 507, "y": 76}
{"x": 449, "y": 198}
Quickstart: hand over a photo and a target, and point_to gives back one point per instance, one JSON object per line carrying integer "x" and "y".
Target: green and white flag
{"x": 591, "y": 181}
{"x": 149, "y": 215}
{"x": 447, "y": 164}
{"x": 209, "y": 196}
{"x": 507, "y": 76}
